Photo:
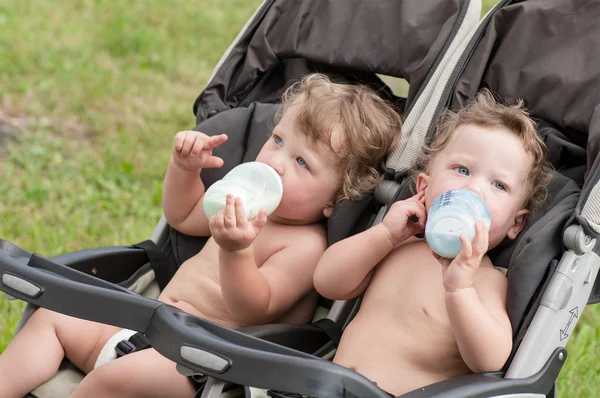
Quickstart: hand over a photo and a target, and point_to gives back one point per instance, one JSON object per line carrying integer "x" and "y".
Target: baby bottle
{"x": 256, "y": 184}
{"x": 451, "y": 214}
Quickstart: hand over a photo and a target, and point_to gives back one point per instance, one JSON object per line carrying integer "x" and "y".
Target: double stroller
{"x": 542, "y": 51}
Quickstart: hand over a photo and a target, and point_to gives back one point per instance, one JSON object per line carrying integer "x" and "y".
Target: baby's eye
{"x": 499, "y": 185}
{"x": 302, "y": 163}
{"x": 277, "y": 139}
{"x": 462, "y": 170}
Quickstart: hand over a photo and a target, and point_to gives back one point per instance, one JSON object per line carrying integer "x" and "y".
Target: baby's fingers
{"x": 217, "y": 222}
{"x": 442, "y": 260}
{"x": 260, "y": 220}
{"x": 421, "y": 214}
{"x": 197, "y": 146}
{"x": 178, "y": 141}
{"x": 214, "y": 141}
{"x": 481, "y": 240}
{"x": 417, "y": 210}
{"x": 240, "y": 214}
{"x": 212, "y": 162}
{"x": 420, "y": 197}
{"x": 188, "y": 143}
{"x": 229, "y": 213}
{"x": 467, "y": 250}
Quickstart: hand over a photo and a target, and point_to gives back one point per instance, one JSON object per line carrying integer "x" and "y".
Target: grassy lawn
{"x": 91, "y": 94}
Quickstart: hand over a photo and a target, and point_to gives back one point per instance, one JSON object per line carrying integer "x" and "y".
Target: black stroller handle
{"x": 194, "y": 343}
{"x": 56, "y": 287}
{"x": 226, "y": 354}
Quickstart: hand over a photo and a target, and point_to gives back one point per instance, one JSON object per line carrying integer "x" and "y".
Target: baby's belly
{"x": 401, "y": 338}
{"x": 195, "y": 288}
{"x": 399, "y": 359}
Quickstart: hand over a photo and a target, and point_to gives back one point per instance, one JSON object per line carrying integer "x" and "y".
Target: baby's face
{"x": 492, "y": 163}
{"x": 308, "y": 171}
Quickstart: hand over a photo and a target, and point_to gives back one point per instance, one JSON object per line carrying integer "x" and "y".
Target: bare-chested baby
{"x": 423, "y": 318}
{"x": 326, "y": 146}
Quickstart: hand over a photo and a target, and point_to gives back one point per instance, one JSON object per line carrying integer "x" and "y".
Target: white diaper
{"x": 108, "y": 352}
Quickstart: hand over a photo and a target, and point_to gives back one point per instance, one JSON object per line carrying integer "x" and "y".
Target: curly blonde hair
{"x": 485, "y": 111}
{"x": 369, "y": 125}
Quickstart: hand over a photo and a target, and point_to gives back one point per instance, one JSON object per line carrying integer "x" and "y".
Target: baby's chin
{"x": 281, "y": 216}
{"x": 496, "y": 239}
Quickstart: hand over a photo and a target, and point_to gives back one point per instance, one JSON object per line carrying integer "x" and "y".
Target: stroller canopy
{"x": 353, "y": 38}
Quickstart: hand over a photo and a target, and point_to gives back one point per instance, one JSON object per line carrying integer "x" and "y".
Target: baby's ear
{"x": 518, "y": 224}
{"x": 327, "y": 211}
{"x": 422, "y": 182}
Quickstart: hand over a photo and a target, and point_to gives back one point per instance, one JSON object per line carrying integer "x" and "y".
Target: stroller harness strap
{"x": 331, "y": 329}
{"x": 158, "y": 261}
{"x": 137, "y": 342}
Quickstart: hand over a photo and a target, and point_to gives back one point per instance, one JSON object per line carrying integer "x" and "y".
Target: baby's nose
{"x": 476, "y": 188}
{"x": 276, "y": 165}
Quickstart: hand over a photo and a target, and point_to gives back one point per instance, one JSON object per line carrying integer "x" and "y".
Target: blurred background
{"x": 91, "y": 95}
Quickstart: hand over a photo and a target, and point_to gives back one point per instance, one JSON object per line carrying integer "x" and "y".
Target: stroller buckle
{"x": 137, "y": 342}
{"x": 124, "y": 347}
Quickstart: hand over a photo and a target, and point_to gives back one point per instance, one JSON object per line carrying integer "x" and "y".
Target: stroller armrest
{"x": 232, "y": 356}
{"x": 305, "y": 338}
{"x": 54, "y": 286}
{"x": 493, "y": 384}
{"x": 194, "y": 343}
{"x": 114, "y": 264}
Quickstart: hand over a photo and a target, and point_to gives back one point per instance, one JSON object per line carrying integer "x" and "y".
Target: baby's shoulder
{"x": 488, "y": 273}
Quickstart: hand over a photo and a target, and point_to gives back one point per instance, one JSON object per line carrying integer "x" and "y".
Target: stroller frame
{"x": 241, "y": 357}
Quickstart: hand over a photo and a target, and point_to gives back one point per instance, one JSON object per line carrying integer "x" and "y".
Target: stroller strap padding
{"x": 591, "y": 209}
{"x": 417, "y": 122}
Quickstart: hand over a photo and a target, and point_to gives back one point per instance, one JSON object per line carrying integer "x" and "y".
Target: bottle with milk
{"x": 256, "y": 184}
{"x": 451, "y": 214}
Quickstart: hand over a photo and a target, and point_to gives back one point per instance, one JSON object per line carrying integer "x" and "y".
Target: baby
{"x": 325, "y": 147}
{"x": 424, "y": 318}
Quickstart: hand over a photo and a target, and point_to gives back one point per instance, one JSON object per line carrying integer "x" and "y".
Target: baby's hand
{"x": 231, "y": 230}
{"x": 398, "y": 220}
{"x": 458, "y": 273}
{"x": 192, "y": 150}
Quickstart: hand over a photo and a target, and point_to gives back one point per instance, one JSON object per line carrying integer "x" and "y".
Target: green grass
{"x": 91, "y": 94}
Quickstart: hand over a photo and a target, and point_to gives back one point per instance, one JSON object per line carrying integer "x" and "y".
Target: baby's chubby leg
{"x": 141, "y": 374}
{"x": 37, "y": 350}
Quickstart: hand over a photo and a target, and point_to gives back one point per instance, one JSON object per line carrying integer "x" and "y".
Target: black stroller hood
{"x": 544, "y": 52}
{"x": 289, "y": 38}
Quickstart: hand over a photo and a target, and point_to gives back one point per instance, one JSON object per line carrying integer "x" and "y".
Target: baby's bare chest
{"x": 409, "y": 282}
{"x": 270, "y": 240}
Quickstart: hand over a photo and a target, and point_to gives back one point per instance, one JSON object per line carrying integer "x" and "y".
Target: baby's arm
{"x": 258, "y": 295}
{"x": 183, "y": 189}
{"x": 476, "y": 305}
{"x": 345, "y": 269}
